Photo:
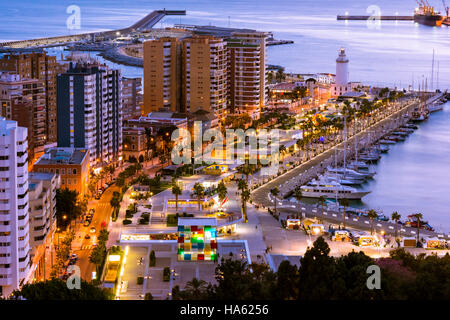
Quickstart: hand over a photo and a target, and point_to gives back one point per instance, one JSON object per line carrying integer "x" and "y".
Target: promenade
{"x": 312, "y": 168}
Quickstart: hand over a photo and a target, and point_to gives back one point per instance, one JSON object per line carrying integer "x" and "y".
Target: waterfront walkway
{"x": 312, "y": 168}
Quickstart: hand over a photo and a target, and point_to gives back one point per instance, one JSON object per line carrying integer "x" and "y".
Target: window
{"x": 63, "y": 171}
{"x": 74, "y": 171}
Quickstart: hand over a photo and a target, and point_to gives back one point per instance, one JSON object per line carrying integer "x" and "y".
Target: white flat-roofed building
{"x": 14, "y": 216}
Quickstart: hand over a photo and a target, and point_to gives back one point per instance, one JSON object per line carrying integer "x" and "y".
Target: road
{"x": 83, "y": 247}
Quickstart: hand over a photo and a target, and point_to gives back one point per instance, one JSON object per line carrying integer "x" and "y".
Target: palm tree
{"x": 322, "y": 202}
{"x": 395, "y": 217}
{"x": 274, "y": 192}
{"x": 195, "y": 288}
{"x": 298, "y": 196}
{"x": 245, "y": 196}
{"x": 222, "y": 191}
{"x": 110, "y": 170}
{"x": 246, "y": 170}
{"x": 372, "y": 215}
{"x": 418, "y": 217}
{"x": 176, "y": 191}
{"x": 199, "y": 191}
{"x": 345, "y": 203}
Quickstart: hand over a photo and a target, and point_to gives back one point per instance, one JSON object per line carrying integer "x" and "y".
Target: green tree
{"x": 299, "y": 196}
{"x": 345, "y": 203}
{"x": 372, "y": 215}
{"x": 176, "y": 191}
{"x": 199, "y": 191}
{"x": 317, "y": 273}
{"x": 245, "y": 196}
{"x": 419, "y": 218}
{"x": 67, "y": 207}
{"x": 56, "y": 289}
{"x": 322, "y": 200}
{"x": 396, "y": 218}
{"x": 196, "y": 289}
{"x": 222, "y": 191}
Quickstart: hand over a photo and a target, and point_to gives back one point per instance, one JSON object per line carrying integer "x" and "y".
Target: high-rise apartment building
{"x": 38, "y": 65}
{"x": 247, "y": 82}
{"x": 131, "y": 97}
{"x": 42, "y": 210}
{"x": 162, "y": 75}
{"x": 209, "y": 73}
{"x": 14, "y": 216}
{"x": 204, "y": 75}
{"x": 90, "y": 111}
{"x": 23, "y": 100}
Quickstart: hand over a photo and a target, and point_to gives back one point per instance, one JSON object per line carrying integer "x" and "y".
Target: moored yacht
{"x": 351, "y": 173}
{"x": 331, "y": 189}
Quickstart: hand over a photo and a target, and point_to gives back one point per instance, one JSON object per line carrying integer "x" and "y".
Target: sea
{"x": 414, "y": 176}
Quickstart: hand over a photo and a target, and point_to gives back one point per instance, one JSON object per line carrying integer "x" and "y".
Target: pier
{"x": 310, "y": 169}
{"x": 146, "y": 23}
{"x": 388, "y": 18}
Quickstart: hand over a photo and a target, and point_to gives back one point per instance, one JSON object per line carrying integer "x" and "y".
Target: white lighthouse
{"x": 342, "y": 83}
{"x": 342, "y": 68}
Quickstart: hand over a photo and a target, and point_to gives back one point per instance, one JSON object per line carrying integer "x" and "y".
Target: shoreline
{"x": 313, "y": 167}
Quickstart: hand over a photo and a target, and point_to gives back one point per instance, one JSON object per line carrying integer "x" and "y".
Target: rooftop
{"x": 35, "y": 176}
{"x": 197, "y": 221}
{"x": 63, "y": 156}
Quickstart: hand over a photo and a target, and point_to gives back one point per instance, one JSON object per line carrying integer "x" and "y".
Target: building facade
{"x": 38, "y": 65}
{"x": 42, "y": 206}
{"x": 131, "y": 97}
{"x": 71, "y": 164}
{"x": 247, "y": 82}
{"x": 23, "y": 100}
{"x": 14, "y": 216}
{"x": 90, "y": 112}
{"x": 134, "y": 144}
{"x": 204, "y": 75}
{"x": 162, "y": 72}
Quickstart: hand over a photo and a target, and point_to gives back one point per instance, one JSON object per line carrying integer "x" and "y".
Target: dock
{"x": 388, "y": 18}
{"x": 146, "y": 23}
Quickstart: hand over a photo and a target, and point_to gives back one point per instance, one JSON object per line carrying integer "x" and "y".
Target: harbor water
{"x": 414, "y": 176}
{"x": 389, "y": 53}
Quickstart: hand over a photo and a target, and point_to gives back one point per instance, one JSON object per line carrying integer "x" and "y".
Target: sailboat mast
{"x": 432, "y": 72}
{"x": 356, "y": 142}
{"x": 345, "y": 143}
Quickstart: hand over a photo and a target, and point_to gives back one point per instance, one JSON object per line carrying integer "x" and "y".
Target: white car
{"x": 93, "y": 230}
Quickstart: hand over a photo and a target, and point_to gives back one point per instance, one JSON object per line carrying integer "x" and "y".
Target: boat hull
{"x": 429, "y": 20}
{"x": 332, "y": 195}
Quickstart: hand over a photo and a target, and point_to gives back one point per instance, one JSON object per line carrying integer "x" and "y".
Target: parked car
{"x": 87, "y": 222}
{"x": 87, "y": 236}
{"x": 93, "y": 230}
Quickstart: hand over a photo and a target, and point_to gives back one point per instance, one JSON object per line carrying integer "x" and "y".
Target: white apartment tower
{"x": 14, "y": 217}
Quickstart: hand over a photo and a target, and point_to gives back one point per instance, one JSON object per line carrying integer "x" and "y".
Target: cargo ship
{"x": 426, "y": 15}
